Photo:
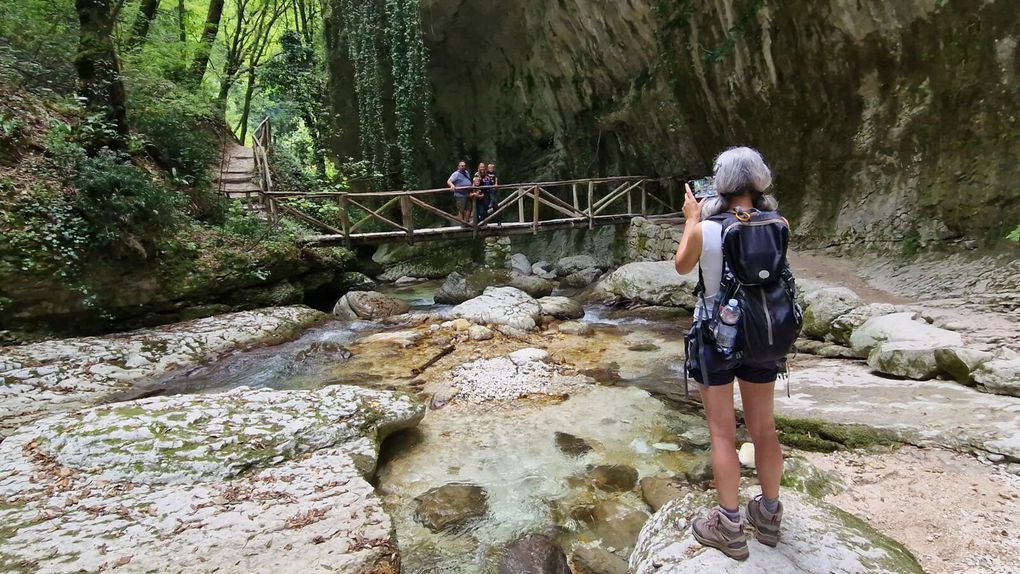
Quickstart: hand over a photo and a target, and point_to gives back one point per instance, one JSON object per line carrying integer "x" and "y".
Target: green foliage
{"x": 1014, "y": 235}
{"x": 385, "y": 45}
{"x": 910, "y": 245}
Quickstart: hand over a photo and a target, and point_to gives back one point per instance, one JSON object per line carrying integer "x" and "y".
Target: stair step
{"x": 239, "y": 178}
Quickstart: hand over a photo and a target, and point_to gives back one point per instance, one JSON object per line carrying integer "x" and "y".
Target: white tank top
{"x": 711, "y": 263}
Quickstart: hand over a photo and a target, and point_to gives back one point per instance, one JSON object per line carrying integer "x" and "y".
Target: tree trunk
{"x": 146, "y": 13}
{"x": 246, "y": 110}
{"x": 212, "y": 28}
{"x": 98, "y": 67}
{"x": 319, "y": 152}
{"x": 182, "y": 20}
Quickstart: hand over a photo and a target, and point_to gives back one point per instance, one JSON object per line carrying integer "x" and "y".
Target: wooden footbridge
{"x": 390, "y": 216}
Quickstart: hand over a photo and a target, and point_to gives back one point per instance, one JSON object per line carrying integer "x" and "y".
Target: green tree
{"x": 101, "y": 83}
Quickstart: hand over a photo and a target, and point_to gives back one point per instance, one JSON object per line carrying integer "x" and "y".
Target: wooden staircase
{"x": 236, "y": 178}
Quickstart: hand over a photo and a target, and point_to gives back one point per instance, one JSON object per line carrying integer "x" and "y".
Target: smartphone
{"x": 702, "y": 188}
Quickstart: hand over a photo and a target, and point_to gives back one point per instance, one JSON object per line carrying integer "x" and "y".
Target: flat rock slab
{"x": 66, "y": 374}
{"x": 501, "y": 306}
{"x": 816, "y": 538}
{"x": 82, "y": 491}
{"x": 928, "y": 412}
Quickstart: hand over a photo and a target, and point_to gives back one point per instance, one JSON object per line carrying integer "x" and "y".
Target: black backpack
{"x": 757, "y": 275}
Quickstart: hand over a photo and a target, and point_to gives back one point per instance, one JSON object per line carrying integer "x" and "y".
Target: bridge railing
{"x": 536, "y": 205}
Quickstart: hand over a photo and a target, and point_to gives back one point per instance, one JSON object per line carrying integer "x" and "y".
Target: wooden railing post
{"x": 630, "y": 203}
{"x": 407, "y": 216}
{"x": 577, "y": 206}
{"x": 644, "y": 200}
{"x": 520, "y": 205}
{"x": 345, "y": 218}
{"x": 534, "y": 217}
{"x": 591, "y": 205}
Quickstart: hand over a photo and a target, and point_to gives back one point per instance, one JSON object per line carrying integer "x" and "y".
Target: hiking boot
{"x": 720, "y": 532}
{"x": 765, "y": 523}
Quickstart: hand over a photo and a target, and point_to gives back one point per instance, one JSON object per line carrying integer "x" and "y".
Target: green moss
{"x": 900, "y": 559}
{"x": 132, "y": 411}
{"x": 822, "y": 436}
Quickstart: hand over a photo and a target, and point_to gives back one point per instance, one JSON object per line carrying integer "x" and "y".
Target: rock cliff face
{"x": 887, "y": 124}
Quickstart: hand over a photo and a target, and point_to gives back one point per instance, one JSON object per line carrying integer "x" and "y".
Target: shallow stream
{"x": 510, "y": 450}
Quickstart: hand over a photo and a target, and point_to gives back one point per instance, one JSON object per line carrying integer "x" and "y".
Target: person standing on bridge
{"x": 492, "y": 183}
{"x": 460, "y": 183}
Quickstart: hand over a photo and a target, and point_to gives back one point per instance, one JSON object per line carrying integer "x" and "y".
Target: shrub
{"x": 1014, "y": 235}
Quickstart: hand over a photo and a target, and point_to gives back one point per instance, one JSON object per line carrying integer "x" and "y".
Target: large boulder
{"x": 567, "y": 265}
{"x": 907, "y": 359}
{"x": 582, "y": 278}
{"x": 900, "y": 327}
{"x": 844, "y": 325}
{"x": 651, "y": 282}
{"x": 459, "y": 287}
{"x": 502, "y": 306}
{"x": 519, "y": 264}
{"x": 534, "y": 286}
{"x": 561, "y": 307}
{"x": 233, "y": 474}
{"x": 816, "y": 538}
{"x": 960, "y": 363}
{"x": 824, "y": 306}
{"x": 368, "y": 305}
{"x": 543, "y": 269}
{"x": 451, "y": 506}
{"x": 1000, "y": 376}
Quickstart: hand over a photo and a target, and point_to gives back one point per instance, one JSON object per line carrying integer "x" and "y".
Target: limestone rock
{"x": 66, "y": 374}
{"x": 526, "y": 356}
{"x": 582, "y": 278}
{"x": 502, "y": 306}
{"x": 1000, "y": 376}
{"x": 901, "y": 327}
{"x": 479, "y": 333}
{"x": 654, "y": 283}
{"x": 561, "y": 307}
{"x": 816, "y": 537}
{"x": 368, "y": 305}
{"x": 248, "y": 469}
{"x": 844, "y": 325}
{"x": 534, "y": 554}
{"x": 567, "y": 265}
{"x": 519, "y": 264}
{"x": 824, "y": 306}
{"x": 543, "y": 269}
{"x": 908, "y": 359}
{"x": 613, "y": 477}
{"x": 451, "y": 506}
{"x": 658, "y": 490}
{"x": 574, "y": 328}
{"x": 960, "y": 363}
{"x": 534, "y": 286}
{"x": 618, "y": 524}
{"x": 595, "y": 560}
{"x": 355, "y": 281}
{"x": 572, "y": 445}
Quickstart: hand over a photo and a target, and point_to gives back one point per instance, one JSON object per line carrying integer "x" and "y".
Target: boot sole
{"x": 734, "y": 553}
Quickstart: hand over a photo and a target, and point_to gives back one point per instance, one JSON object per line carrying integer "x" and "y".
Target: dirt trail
{"x": 955, "y": 513}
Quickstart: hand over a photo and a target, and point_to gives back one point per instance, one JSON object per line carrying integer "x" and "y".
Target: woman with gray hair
{"x": 741, "y": 178}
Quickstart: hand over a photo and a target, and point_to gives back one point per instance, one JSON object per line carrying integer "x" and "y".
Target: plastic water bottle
{"x": 726, "y": 328}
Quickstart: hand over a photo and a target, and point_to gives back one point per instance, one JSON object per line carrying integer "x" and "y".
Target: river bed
{"x": 508, "y": 449}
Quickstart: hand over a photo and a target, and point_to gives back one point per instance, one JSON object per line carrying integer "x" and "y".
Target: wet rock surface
{"x": 67, "y": 374}
{"x": 230, "y": 475}
{"x": 658, "y": 490}
{"x": 451, "y": 506}
{"x": 816, "y": 537}
{"x": 617, "y": 525}
{"x": 613, "y": 478}
{"x": 572, "y": 445}
{"x": 368, "y": 305}
{"x": 534, "y": 554}
{"x": 561, "y": 307}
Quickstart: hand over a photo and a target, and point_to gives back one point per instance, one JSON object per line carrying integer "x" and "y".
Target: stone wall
{"x": 652, "y": 240}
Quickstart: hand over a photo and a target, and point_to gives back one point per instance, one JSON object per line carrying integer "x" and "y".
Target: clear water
{"x": 507, "y": 450}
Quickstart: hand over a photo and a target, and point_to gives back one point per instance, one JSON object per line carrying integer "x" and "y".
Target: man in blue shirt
{"x": 460, "y": 183}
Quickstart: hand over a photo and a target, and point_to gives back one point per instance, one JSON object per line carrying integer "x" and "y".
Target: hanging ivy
{"x": 386, "y": 48}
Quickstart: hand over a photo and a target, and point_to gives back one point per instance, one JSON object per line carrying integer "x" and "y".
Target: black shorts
{"x": 721, "y": 370}
{"x": 461, "y": 201}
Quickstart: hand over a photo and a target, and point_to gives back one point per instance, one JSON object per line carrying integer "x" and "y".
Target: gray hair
{"x": 740, "y": 170}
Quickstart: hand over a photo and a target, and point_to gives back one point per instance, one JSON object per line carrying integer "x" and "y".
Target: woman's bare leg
{"x": 759, "y": 416}
{"x": 722, "y": 426}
